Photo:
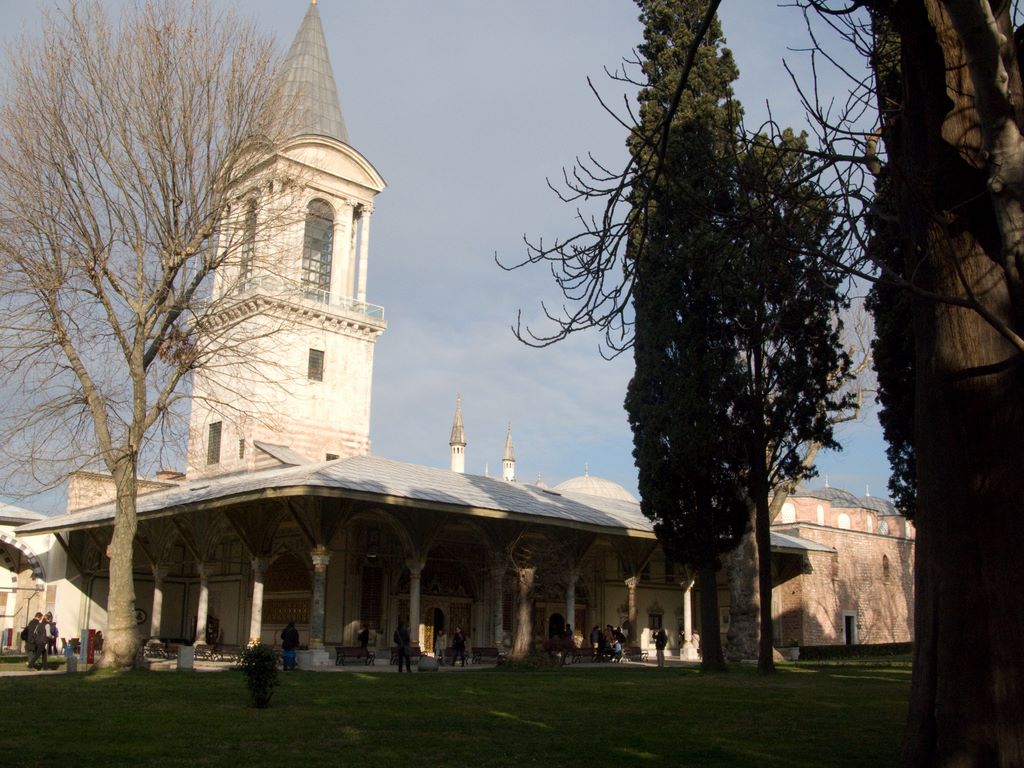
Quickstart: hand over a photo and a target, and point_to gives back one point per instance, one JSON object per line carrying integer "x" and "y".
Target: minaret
{"x": 458, "y": 441}
{"x": 299, "y": 284}
{"x": 508, "y": 461}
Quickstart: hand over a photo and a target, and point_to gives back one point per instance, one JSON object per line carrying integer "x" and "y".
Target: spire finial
{"x": 586, "y": 469}
{"x": 826, "y": 481}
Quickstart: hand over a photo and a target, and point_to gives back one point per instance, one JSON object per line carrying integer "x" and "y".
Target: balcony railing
{"x": 273, "y": 285}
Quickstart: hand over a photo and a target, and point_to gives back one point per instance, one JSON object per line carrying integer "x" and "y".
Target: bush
{"x": 259, "y": 664}
{"x": 825, "y": 652}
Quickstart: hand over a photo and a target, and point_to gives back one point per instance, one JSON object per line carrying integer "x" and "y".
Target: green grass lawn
{"x": 848, "y": 715}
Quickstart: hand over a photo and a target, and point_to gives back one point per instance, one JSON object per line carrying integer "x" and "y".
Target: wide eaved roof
{"x": 371, "y": 478}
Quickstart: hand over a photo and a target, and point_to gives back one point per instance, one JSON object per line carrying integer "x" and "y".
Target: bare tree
{"x": 129, "y": 152}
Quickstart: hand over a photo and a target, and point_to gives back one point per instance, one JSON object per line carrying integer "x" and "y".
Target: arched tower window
{"x": 317, "y": 247}
{"x": 248, "y": 243}
{"x": 886, "y": 568}
{"x": 788, "y": 513}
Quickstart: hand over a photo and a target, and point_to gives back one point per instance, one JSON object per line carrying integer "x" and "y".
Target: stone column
{"x": 321, "y": 557}
{"x": 498, "y": 578}
{"x": 570, "y": 600}
{"x": 259, "y": 569}
{"x": 688, "y": 652}
{"x": 341, "y": 260}
{"x": 631, "y": 584}
{"x": 204, "y": 603}
{"x": 415, "y": 569}
{"x": 364, "y": 250}
{"x": 159, "y": 572}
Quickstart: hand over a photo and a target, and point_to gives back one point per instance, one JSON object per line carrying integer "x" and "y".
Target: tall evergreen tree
{"x": 736, "y": 337}
{"x": 682, "y": 348}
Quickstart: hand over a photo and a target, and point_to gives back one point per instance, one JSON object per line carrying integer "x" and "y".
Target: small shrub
{"x": 877, "y": 650}
{"x": 259, "y": 664}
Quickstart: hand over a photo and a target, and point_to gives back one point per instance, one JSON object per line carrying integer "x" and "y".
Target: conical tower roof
{"x": 309, "y": 81}
{"x": 510, "y": 454}
{"x": 458, "y": 431}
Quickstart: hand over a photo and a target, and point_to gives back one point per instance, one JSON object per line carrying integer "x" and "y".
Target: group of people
{"x": 607, "y": 643}
{"x": 458, "y": 646}
{"x": 40, "y": 638}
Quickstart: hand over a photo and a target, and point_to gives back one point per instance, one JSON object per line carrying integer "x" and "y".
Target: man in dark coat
{"x": 289, "y": 642}
{"x": 35, "y": 633}
{"x": 401, "y": 638}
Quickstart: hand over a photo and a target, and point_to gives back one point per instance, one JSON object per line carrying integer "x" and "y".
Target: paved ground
{"x": 17, "y": 670}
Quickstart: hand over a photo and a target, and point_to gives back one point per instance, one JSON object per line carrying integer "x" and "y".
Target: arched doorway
{"x": 556, "y": 625}
{"x": 434, "y": 620}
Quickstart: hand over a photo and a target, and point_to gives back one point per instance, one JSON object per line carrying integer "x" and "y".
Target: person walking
{"x": 440, "y": 644}
{"x": 52, "y": 635}
{"x": 660, "y": 641}
{"x": 29, "y": 636}
{"x": 402, "y": 641}
{"x": 289, "y": 642}
{"x": 39, "y": 638}
{"x": 458, "y": 646}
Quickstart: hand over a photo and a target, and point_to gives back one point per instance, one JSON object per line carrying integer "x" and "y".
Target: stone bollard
{"x": 186, "y": 657}
{"x": 70, "y": 659}
{"x": 427, "y": 664}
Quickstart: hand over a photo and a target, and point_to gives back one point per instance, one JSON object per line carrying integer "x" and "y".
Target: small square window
{"x": 213, "y": 444}
{"x": 331, "y": 456}
{"x": 316, "y": 365}
{"x": 241, "y": 448}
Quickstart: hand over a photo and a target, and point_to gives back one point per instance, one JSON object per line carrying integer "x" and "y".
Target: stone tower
{"x": 508, "y": 461}
{"x": 293, "y": 368}
{"x": 457, "y": 443}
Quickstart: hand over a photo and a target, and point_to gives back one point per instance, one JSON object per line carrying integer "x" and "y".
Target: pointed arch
{"x": 34, "y": 563}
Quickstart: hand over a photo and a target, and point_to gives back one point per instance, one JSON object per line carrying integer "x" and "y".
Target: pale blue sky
{"x": 465, "y": 107}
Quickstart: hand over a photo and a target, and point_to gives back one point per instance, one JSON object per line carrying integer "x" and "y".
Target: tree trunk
{"x": 711, "y": 659}
{"x": 121, "y": 640}
{"x": 763, "y": 535}
{"x": 522, "y": 645}
{"x": 744, "y": 608}
{"x": 968, "y": 683}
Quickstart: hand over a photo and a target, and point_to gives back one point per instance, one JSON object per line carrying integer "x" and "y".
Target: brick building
{"x": 858, "y": 585}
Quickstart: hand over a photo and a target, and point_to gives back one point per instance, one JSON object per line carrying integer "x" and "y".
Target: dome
{"x": 595, "y": 486}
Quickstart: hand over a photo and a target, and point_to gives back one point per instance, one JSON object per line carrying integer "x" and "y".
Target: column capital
{"x": 160, "y": 571}
{"x": 632, "y": 582}
{"x": 259, "y": 565}
{"x": 415, "y": 566}
{"x": 686, "y": 584}
{"x": 321, "y": 557}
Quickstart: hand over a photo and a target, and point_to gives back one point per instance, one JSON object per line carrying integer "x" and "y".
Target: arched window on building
{"x": 870, "y": 523}
{"x": 821, "y": 515}
{"x": 788, "y": 514}
{"x": 317, "y": 247}
{"x": 843, "y": 521}
{"x": 886, "y": 569}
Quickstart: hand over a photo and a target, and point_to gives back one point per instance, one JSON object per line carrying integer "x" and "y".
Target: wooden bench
{"x": 485, "y": 653}
{"x": 414, "y": 654}
{"x": 152, "y": 650}
{"x": 353, "y": 653}
{"x": 633, "y": 653}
